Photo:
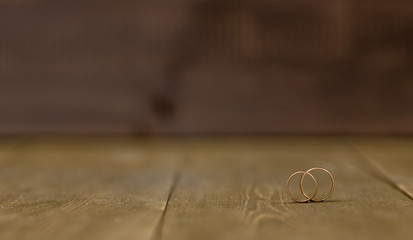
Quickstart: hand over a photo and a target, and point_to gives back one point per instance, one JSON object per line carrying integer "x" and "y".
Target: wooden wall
{"x": 206, "y": 66}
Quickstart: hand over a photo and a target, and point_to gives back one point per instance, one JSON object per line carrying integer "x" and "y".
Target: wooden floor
{"x": 203, "y": 188}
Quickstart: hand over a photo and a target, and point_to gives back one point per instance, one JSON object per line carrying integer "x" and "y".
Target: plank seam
{"x": 380, "y": 173}
{"x": 157, "y": 234}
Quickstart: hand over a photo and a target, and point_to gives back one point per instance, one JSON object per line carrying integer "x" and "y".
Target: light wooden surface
{"x": 202, "y": 188}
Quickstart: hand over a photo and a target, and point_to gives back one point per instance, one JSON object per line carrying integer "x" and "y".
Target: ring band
{"x": 331, "y": 189}
{"x": 307, "y": 198}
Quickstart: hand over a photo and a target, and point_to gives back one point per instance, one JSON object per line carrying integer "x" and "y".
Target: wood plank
{"x": 206, "y": 66}
{"x": 83, "y": 189}
{"x": 235, "y": 190}
{"x": 392, "y": 157}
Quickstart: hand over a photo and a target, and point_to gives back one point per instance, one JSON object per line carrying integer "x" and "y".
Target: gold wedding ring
{"x": 307, "y": 198}
{"x": 331, "y": 189}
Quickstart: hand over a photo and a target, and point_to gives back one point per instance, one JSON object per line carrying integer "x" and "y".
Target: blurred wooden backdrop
{"x": 206, "y": 66}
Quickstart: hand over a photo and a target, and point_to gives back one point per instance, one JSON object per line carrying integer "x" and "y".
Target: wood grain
{"x": 392, "y": 157}
{"x": 83, "y": 189}
{"x": 236, "y": 190}
{"x": 200, "y": 188}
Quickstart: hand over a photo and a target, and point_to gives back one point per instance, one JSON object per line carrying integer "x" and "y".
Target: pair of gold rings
{"x": 310, "y": 198}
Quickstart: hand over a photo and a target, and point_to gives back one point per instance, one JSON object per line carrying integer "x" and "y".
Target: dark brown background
{"x": 206, "y": 66}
